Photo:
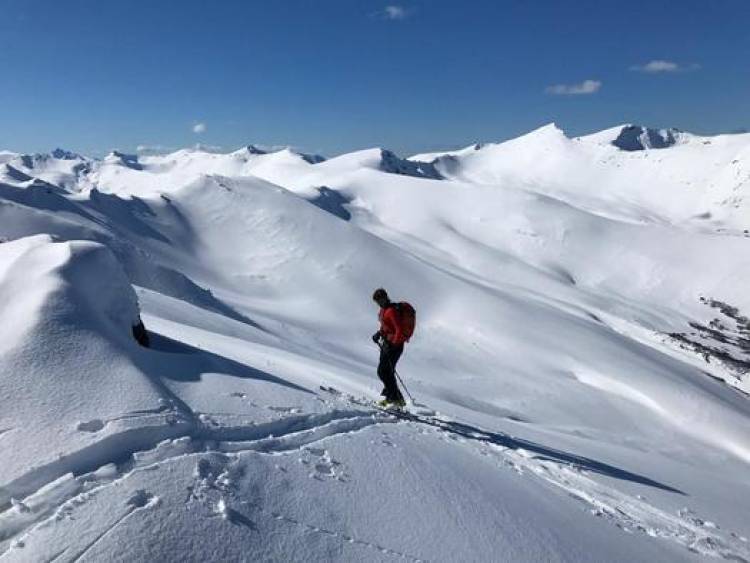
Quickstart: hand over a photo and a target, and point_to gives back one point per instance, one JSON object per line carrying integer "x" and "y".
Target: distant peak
{"x": 638, "y": 138}
{"x": 393, "y": 164}
{"x": 312, "y": 158}
{"x": 123, "y": 155}
{"x": 129, "y": 160}
{"x": 545, "y": 133}
{"x": 254, "y": 149}
{"x": 62, "y": 154}
{"x": 549, "y": 129}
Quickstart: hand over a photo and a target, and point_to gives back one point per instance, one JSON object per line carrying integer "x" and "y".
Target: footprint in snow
{"x": 323, "y": 465}
{"x": 19, "y": 506}
{"x": 207, "y": 420}
{"x": 142, "y": 499}
{"x": 91, "y": 426}
{"x": 165, "y": 405}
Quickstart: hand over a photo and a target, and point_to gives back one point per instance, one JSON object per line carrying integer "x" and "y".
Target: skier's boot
{"x": 392, "y": 404}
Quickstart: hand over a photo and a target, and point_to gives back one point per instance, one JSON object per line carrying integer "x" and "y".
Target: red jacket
{"x": 389, "y": 325}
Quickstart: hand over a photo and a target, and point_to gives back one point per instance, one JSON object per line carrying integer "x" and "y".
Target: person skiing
{"x": 394, "y": 331}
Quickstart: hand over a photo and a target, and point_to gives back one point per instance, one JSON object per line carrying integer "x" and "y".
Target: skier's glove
{"x": 376, "y": 338}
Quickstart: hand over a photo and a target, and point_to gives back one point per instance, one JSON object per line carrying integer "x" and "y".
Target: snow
{"x": 60, "y": 167}
{"x": 145, "y": 175}
{"x": 699, "y": 181}
{"x": 579, "y": 367}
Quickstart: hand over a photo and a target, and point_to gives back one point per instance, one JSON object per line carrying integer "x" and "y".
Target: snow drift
{"x": 68, "y": 312}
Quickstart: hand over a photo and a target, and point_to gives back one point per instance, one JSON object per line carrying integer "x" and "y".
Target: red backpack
{"x": 407, "y": 318}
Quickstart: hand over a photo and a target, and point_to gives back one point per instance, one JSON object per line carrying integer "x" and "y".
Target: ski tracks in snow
{"x": 213, "y": 493}
{"x": 632, "y": 514}
{"x": 51, "y": 492}
{"x": 141, "y": 500}
{"x": 349, "y": 539}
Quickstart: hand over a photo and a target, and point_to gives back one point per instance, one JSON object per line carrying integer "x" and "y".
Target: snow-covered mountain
{"x": 579, "y": 370}
{"x": 60, "y": 167}
{"x": 698, "y": 181}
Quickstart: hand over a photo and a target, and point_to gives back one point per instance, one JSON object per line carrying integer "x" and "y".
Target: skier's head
{"x": 381, "y": 297}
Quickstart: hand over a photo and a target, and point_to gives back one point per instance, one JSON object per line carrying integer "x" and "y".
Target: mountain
{"x": 638, "y": 138}
{"x": 60, "y": 167}
{"x": 579, "y": 368}
{"x": 117, "y": 158}
{"x": 677, "y": 178}
{"x": 148, "y": 174}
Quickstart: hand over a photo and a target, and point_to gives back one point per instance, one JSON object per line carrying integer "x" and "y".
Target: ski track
{"x": 347, "y": 538}
{"x": 631, "y": 514}
{"x": 100, "y": 537}
{"x": 57, "y": 556}
{"x": 69, "y": 481}
{"x": 50, "y": 487}
{"x": 118, "y": 448}
{"x": 139, "y": 501}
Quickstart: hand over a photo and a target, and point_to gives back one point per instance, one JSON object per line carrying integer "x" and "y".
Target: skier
{"x": 396, "y": 327}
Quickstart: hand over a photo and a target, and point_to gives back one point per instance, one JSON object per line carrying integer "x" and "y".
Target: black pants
{"x": 389, "y": 355}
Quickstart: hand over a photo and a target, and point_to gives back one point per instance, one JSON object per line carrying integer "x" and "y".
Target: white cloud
{"x": 660, "y": 65}
{"x": 393, "y": 12}
{"x": 585, "y": 87}
{"x": 199, "y": 128}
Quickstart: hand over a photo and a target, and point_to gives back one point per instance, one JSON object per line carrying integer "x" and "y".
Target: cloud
{"x": 585, "y": 87}
{"x": 659, "y": 65}
{"x": 393, "y": 12}
{"x": 199, "y": 128}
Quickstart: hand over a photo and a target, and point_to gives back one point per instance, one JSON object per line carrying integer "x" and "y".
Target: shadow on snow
{"x": 542, "y": 452}
{"x": 189, "y": 363}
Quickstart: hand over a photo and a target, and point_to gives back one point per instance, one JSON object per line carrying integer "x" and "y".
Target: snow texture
{"x": 580, "y": 365}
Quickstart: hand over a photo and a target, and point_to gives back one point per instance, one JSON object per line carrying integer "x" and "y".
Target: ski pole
{"x": 404, "y": 386}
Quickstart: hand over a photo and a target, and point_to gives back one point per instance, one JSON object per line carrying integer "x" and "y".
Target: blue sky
{"x": 331, "y": 76}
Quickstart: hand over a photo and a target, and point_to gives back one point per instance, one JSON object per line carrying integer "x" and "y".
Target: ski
{"x": 401, "y": 412}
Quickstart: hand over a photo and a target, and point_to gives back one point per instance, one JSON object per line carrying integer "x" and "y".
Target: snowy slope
{"x": 73, "y": 310}
{"x": 579, "y": 362}
{"x": 133, "y": 174}
{"x": 698, "y": 181}
{"x": 60, "y": 167}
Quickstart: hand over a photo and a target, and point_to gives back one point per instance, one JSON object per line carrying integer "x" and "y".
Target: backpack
{"x": 407, "y": 318}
